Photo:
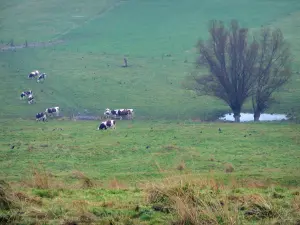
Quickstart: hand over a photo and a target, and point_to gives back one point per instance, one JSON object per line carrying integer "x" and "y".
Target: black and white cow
{"x": 41, "y": 116}
{"x": 107, "y": 124}
{"x": 34, "y": 74}
{"x": 25, "y": 94}
{"x": 119, "y": 113}
{"x": 53, "y": 111}
{"x": 41, "y": 77}
{"x": 108, "y": 113}
{"x": 30, "y": 99}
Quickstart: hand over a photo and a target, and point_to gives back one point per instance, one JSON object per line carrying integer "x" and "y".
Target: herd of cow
{"x": 30, "y": 98}
{"x": 116, "y": 113}
{"x": 39, "y": 77}
{"x": 42, "y": 116}
{"x": 36, "y": 74}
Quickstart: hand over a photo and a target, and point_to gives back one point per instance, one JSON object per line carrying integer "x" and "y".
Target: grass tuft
{"x": 86, "y": 182}
{"x": 27, "y": 199}
{"x": 82, "y": 212}
{"x": 229, "y": 168}
{"x": 116, "y": 184}
{"x": 6, "y": 198}
{"x": 40, "y": 178}
{"x": 181, "y": 166}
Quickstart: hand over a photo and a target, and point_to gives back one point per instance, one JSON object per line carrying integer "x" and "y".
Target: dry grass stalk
{"x": 40, "y": 179}
{"x": 181, "y": 166}
{"x": 82, "y": 212}
{"x": 296, "y": 204}
{"x": 27, "y": 199}
{"x": 108, "y": 204}
{"x": 86, "y": 182}
{"x": 193, "y": 205}
{"x": 7, "y": 201}
{"x": 229, "y": 168}
{"x": 115, "y": 184}
{"x": 158, "y": 167}
{"x": 36, "y": 213}
{"x": 187, "y": 213}
{"x": 212, "y": 158}
{"x": 70, "y": 221}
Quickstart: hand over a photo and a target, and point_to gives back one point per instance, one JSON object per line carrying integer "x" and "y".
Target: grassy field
{"x": 166, "y": 166}
{"x": 135, "y": 149}
{"x": 62, "y": 163}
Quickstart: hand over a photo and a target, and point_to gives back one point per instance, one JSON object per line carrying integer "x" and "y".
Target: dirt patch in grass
{"x": 171, "y": 147}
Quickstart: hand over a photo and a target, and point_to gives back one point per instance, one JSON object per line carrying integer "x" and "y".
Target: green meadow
{"x": 157, "y": 37}
{"x": 67, "y": 171}
{"x": 171, "y": 164}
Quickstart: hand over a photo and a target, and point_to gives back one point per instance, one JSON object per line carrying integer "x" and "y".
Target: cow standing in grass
{"x": 52, "y": 111}
{"x": 41, "y": 117}
{"x": 25, "y": 94}
{"x": 119, "y": 113}
{"x": 41, "y": 77}
{"x": 30, "y": 99}
{"x": 108, "y": 113}
{"x": 34, "y": 74}
{"x": 107, "y": 124}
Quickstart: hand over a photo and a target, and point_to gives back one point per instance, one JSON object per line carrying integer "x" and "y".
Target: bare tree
{"x": 230, "y": 58}
{"x": 273, "y": 69}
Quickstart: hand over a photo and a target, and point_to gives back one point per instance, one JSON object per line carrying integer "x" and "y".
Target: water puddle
{"x": 247, "y": 117}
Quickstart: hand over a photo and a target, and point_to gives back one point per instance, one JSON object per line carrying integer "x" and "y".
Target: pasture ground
{"x": 151, "y": 170}
{"x": 145, "y": 172}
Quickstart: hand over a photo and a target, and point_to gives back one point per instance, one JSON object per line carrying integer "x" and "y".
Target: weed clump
{"x": 8, "y": 204}
{"x": 6, "y": 198}
{"x": 40, "y": 179}
{"x": 181, "y": 166}
{"x": 209, "y": 203}
{"x": 229, "y": 168}
{"x": 86, "y": 182}
{"x": 83, "y": 214}
{"x": 116, "y": 184}
{"x": 25, "y": 198}
{"x": 190, "y": 204}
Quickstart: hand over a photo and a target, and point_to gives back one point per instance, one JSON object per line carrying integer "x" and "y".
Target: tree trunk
{"x": 256, "y": 116}
{"x": 237, "y": 117}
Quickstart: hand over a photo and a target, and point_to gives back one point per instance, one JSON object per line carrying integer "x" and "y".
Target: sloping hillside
{"x": 157, "y": 37}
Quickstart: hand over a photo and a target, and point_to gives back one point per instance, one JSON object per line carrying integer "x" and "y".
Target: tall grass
{"x": 206, "y": 201}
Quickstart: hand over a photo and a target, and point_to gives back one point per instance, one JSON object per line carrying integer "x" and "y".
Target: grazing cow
{"x": 41, "y": 116}
{"x": 25, "y": 94}
{"x": 107, "y": 124}
{"x": 119, "y": 113}
{"x": 41, "y": 77}
{"x": 53, "y": 111}
{"x": 130, "y": 113}
{"x": 30, "y": 99}
{"x": 109, "y": 113}
{"x": 34, "y": 74}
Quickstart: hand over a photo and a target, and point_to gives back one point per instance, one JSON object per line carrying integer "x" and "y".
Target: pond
{"x": 247, "y": 117}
